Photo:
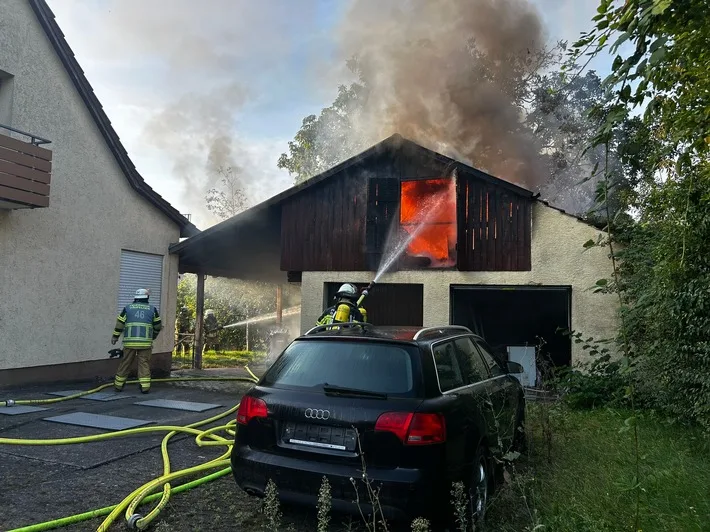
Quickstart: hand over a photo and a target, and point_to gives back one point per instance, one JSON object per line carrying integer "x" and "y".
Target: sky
{"x": 192, "y": 86}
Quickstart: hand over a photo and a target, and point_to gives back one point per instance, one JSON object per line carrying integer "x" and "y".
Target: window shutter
{"x": 140, "y": 270}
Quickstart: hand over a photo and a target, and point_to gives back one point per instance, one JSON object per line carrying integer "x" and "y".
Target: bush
{"x": 602, "y": 384}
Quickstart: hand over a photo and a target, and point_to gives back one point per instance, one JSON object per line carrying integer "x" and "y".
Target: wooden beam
{"x": 199, "y": 322}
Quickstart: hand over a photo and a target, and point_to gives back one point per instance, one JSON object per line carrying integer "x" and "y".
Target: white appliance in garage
{"x": 524, "y": 355}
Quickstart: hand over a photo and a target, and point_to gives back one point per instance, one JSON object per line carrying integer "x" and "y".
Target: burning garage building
{"x": 459, "y": 245}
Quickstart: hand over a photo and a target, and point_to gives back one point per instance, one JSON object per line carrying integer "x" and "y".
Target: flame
{"x": 428, "y": 210}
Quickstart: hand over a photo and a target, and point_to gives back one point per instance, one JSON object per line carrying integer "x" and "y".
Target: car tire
{"x": 479, "y": 487}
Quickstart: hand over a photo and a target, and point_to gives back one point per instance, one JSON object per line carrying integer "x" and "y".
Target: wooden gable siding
{"x": 494, "y": 227}
{"x": 323, "y": 227}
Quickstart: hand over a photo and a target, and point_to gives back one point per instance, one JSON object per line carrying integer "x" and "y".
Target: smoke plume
{"x": 445, "y": 73}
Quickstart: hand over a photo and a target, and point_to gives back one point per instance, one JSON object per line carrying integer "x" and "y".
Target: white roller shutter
{"x": 140, "y": 270}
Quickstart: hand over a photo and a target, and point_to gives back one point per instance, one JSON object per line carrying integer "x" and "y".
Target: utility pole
{"x": 279, "y": 304}
{"x": 199, "y": 322}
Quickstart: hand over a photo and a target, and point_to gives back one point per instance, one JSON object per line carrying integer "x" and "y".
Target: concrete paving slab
{"x": 96, "y": 396}
{"x": 179, "y": 405}
{"x": 20, "y": 409}
{"x": 99, "y": 421}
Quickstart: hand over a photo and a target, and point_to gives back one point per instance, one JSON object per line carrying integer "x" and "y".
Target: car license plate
{"x": 318, "y": 436}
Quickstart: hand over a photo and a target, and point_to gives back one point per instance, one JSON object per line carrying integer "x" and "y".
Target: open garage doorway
{"x": 516, "y": 320}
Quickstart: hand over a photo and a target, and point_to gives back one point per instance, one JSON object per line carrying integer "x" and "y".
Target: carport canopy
{"x": 246, "y": 246}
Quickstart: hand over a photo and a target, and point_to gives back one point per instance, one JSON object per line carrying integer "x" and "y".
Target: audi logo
{"x": 313, "y": 413}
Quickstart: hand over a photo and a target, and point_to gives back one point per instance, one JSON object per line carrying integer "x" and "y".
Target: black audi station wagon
{"x": 415, "y": 409}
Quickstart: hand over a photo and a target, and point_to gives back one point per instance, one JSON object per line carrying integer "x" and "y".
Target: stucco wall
{"x": 558, "y": 258}
{"x": 60, "y": 266}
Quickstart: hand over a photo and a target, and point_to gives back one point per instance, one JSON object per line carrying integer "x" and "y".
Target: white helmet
{"x": 142, "y": 293}
{"x": 347, "y": 290}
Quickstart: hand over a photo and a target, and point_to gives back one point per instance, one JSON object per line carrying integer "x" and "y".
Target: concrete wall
{"x": 558, "y": 258}
{"x": 59, "y": 267}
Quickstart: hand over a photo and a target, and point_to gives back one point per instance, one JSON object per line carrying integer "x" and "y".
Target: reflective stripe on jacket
{"x": 140, "y": 324}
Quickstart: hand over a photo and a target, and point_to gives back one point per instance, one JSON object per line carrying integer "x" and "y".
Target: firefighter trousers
{"x": 142, "y": 356}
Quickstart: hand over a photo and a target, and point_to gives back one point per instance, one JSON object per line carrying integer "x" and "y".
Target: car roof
{"x": 379, "y": 332}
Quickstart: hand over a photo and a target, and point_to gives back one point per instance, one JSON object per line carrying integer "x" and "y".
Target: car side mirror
{"x": 514, "y": 367}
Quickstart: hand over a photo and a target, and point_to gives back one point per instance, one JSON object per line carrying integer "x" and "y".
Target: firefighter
{"x": 183, "y": 325}
{"x": 212, "y": 328}
{"x": 140, "y": 324}
{"x": 345, "y": 308}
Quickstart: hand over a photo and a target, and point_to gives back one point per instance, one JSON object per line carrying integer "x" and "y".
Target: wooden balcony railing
{"x": 25, "y": 171}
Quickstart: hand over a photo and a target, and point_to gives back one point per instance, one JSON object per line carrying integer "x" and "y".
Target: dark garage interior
{"x": 517, "y": 316}
{"x": 388, "y": 304}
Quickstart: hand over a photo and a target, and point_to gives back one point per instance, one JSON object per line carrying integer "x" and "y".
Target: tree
{"x": 230, "y": 199}
{"x": 661, "y": 67}
{"x": 324, "y": 141}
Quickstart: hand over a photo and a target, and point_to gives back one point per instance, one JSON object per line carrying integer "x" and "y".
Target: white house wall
{"x": 59, "y": 266}
{"x": 558, "y": 258}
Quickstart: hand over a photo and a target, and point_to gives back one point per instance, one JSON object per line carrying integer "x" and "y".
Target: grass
{"x": 221, "y": 359}
{"x": 588, "y": 484}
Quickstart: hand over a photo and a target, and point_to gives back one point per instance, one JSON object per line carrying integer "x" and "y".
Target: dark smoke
{"x": 444, "y": 73}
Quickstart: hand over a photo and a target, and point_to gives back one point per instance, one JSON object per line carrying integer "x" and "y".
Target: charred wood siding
{"x": 389, "y": 304}
{"x": 494, "y": 227}
{"x": 323, "y": 227}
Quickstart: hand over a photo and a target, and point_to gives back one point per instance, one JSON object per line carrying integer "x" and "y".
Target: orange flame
{"x": 431, "y": 203}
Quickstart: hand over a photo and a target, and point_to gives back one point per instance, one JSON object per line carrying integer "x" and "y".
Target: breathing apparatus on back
{"x": 348, "y": 306}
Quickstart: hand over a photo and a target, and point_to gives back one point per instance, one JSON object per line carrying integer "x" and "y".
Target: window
{"x": 140, "y": 270}
{"x": 428, "y": 214}
{"x": 6, "y": 89}
{"x": 368, "y": 366}
{"x": 493, "y": 365}
{"x": 472, "y": 364}
{"x": 447, "y": 367}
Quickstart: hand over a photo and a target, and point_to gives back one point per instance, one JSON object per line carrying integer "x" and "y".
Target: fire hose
{"x": 142, "y": 494}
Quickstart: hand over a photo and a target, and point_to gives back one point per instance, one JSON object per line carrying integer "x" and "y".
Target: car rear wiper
{"x": 331, "y": 389}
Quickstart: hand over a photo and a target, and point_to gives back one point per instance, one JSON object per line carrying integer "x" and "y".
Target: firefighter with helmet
{"x": 140, "y": 324}
{"x": 345, "y": 308}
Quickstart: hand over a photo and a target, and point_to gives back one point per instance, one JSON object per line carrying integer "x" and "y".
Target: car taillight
{"x": 413, "y": 428}
{"x": 249, "y": 408}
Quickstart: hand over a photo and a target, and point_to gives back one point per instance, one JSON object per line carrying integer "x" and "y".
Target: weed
{"x": 272, "y": 507}
{"x": 420, "y": 525}
{"x": 324, "y": 505}
{"x": 459, "y": 500}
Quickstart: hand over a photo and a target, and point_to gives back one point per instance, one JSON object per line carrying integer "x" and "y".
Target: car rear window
{"x": 369, "y": 366}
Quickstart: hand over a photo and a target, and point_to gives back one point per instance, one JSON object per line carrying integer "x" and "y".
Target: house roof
{"x": 56, "y": 37}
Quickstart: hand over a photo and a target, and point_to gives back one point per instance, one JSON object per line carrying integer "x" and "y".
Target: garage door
{"x": 140, "y": 270}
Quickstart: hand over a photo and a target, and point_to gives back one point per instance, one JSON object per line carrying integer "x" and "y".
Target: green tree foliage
{"x": 661, "y": 66}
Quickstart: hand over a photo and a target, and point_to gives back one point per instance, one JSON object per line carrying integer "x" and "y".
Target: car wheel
{"x": 478, "y": 489}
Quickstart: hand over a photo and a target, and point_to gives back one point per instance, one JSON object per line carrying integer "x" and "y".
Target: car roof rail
{"x": 339, "y": 326}
{"x": 439, "y": 331}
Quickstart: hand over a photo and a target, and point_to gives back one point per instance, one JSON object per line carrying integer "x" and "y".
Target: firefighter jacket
{"x": 140, "y": 324}
{"x": 342, "y": 311}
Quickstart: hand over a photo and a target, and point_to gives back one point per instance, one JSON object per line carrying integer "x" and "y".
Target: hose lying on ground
{"x": 142, "y": 494}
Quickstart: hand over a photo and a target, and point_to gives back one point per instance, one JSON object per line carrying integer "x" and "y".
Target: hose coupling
{"x": 133, "y": 521}
{"x": 10, "y": 402}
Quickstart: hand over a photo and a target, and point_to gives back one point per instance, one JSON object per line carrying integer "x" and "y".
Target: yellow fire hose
{"x": 142, "y": 495}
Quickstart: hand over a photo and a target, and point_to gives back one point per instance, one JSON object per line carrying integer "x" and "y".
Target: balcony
{"x": 25, "y": 170}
